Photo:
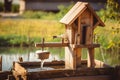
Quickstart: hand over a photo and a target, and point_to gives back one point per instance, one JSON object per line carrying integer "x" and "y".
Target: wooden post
{"x": 0, "y": 63}
{"x": 11, "y": 77}
{"x": 116, "y": 75}
{"x": 91, "y": 61}
{"x": 69, "y": 58}
{"x": 78, "y": 56}
{"x": 72, "y": 57}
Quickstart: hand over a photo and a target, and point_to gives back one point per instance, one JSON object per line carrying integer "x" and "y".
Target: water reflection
{"x": 28, "y": 54}
{"x": 12, "y": 54}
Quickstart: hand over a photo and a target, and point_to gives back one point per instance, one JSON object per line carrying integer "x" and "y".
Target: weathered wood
{"x": 4, "y": 74}
{"x": 20, "y": 70}
{"x": 31, "y": 64}
{"x": 57, "y": 73}
{"x": 79, "y": 30}
{"x": 101, "y": 64}
{"x": 78, "y": 56}
{"x": 11, "y": 77}
{"x": 64, "y": 19}
{"x": 52, "y": 44}
{"x": 93, "y": 12}
{"x": 91, "y": 60}
{"x": 70, "y": 59}
{"x": 88, "y": 46}
{"x": 69, "y": 32}
{"x": 116, "y": 74}
{"x": 101, "y": 77}
{"x": 69, "y": 73}
{"x": 0, "y": 63}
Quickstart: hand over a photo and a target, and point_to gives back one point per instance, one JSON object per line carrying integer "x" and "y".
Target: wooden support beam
{"x": 70, "y": 58}
{"x": 4, "y": 75}
{"x": 78, "y": 57}
{"x": 100, "y": 77}
{"x": 87, "y": 46}
{"x": 91, "y": 60}
{"x": 51, "y": 44}
{"x": 0, "y": 63}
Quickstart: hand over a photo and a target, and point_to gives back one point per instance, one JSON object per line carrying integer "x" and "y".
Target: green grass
{"x": 26, "y": 31}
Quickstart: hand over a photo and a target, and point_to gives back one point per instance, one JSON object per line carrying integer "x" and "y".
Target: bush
{"x": 112, "y": 11}
{"x": 15, "y": 8}
{"x": 1, "y": 6}
{"x": 14, "y": 40}
{"x": 47, "y": 15}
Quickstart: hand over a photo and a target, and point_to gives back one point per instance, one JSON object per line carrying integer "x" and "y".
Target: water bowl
{"x": 42, "y": 55}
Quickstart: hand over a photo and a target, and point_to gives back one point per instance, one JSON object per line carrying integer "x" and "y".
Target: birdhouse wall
{"x": 70, "y": 33}
{"x": 86, "y": 27}
{"x": 81, "y": 30}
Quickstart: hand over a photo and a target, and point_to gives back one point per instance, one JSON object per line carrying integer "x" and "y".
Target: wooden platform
{"x": 56, "y": 71}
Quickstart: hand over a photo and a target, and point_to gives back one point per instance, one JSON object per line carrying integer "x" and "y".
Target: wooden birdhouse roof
{"x": 76, "y": 11}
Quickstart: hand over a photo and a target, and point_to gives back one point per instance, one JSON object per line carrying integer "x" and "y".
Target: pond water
{"x": 28, "y": 54}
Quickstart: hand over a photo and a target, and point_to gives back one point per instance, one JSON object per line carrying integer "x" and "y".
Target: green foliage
{"x": 1, "y": 6}
{"x": 109, "y": 36}
{"x": 14, "y": 40}
{"x": 15, "y": 8}
{"x": 25, "y": 32}
{"x": 47, "y": 15}
{"x": 39, "y": 15}
{"x": 63, "y": 10}
{"x": 111, "y": 11}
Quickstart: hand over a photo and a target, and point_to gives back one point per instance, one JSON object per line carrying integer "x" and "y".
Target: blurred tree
{"x": 7, "y": 5}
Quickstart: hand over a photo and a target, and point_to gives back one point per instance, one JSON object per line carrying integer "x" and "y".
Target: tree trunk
{"x": 7, "y": 5}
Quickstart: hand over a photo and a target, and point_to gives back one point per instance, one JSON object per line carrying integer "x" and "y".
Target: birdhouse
{"x": 80, "y": 23}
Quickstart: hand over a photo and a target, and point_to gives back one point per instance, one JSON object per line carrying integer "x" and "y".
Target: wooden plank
{"x": 69, "y": 58}
{"x": 78, "y": 56}
{"x": 69, "y": 73}
{"x": 51, "y": 44}
{"x": 0, "y": 63}
{"x": 73, "y": 33}
{"x": 79, "y": 30}
{"x": 91, "y": 60}
{"x": 11, "y": 77}
{"x": 77, "y": 13}
{"x": 93, "y": 12}
{"x": 4, "y": 74}
{"x": 69, "y": 33}
{"x": 89, "y": 37}
{"x": 19, "y": 69}
{"x": 116, "y": 75}
{"x": 53, "y": 63}
{"x": 88, "y": 46}
{"x": 74, "y": 13}
{"x": 64, "y": 19}
{"x": 101, "y": 77}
